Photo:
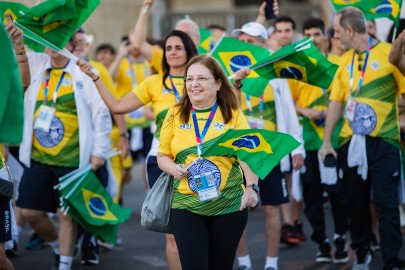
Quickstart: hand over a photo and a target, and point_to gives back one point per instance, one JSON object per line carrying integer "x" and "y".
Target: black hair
{"x": 189, "y": 46}
{"x": 287, "y": 19}
{"x": 106, "y": 46}
{"x": 313, "y": 23}
{"x": 216, "y": 26}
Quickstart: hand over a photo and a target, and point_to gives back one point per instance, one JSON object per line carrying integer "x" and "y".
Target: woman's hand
{"x": 179, "y": 171}
{"x": 88, "y": 69}
{"x": 249, "y": 199}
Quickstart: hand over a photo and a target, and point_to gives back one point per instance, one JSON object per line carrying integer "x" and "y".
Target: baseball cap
{"x": 252, "y": 29}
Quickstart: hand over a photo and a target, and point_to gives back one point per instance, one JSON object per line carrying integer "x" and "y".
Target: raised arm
{"x": 138, "y": 39}
{"x": 16, "y": 36}
{"x": 128, "y": 103}
{"x": 396, "y": 56}
{"x": 123, "y": 51}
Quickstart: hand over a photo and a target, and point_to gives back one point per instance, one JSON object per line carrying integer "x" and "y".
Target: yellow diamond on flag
{"x": 286, "y": 69}
{"x": 97, "y": 206}
{"x": 235, "y": 61}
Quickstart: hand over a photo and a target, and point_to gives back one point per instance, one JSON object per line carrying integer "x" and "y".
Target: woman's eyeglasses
{"x": 200, "y": 79}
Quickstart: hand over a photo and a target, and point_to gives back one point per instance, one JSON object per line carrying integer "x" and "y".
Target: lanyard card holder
{"x": 206, "y": 186}
{"x": 44, "y": 119}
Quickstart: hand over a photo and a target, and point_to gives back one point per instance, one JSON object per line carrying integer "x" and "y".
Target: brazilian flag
{"x": 207, "y": 41}
{"x": 300, "y": 61}
{"x": 53, "y": 21}
{"x": 11, "y": 101}
{"x": 260, "y": 149}
{"x": 234, "y": 55}
{"x": 373, "y": 9}
{"x": 89, "y": 204}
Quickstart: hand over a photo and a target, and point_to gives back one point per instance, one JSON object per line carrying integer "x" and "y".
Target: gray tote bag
{"x": 155, "y": 215}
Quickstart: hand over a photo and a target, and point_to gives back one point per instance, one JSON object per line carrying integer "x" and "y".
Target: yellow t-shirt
{"x": 269, "y": 109}
{"x": 129, "y": 77}
{"x": 376, "y": 113}
{"x": 157, "y": 56}
{"x": 152, "y": 90}
{"x": 179, "y": 140}
{"x": 59, "y": 146}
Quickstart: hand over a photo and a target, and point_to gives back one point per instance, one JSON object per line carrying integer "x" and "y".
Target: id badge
{"x": 350, "y": 109}
{"x": 255, "y": 122}
{"x": 206, "y": 188}
{"x": 44, "y": 118}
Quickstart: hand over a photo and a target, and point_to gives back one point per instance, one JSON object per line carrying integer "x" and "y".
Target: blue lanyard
{"x": 55, "y": 94}
{"x": 200, "y": 137}
{"x": 131, "y": 71}
{"x": 363, "y": 71}
{"x": 176, "y": 93}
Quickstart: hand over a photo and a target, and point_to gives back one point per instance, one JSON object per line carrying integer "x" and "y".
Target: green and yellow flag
{"x": 234, "y": 55}
{"x": 373, "y": 9}
{"x": 300, "y": 61}
{"x": 46, "y": 20}
{"x": 260, "y": 149}
{"x": 92, "y": 202}
{"x": 207, "y": 42}
{"x": 11, "y": 101}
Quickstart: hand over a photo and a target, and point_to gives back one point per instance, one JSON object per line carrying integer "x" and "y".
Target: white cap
{"x": 253, "y": 29}
{"x": 270, "y": 30}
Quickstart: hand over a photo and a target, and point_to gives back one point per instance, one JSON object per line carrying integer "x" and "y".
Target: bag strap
{"x": 8, "y": 169}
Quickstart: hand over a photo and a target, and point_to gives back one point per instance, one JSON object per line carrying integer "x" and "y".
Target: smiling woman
{"x": 208, "y": 192}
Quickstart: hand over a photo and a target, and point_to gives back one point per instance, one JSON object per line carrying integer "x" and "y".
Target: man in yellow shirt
{"x": 365, "y": 91}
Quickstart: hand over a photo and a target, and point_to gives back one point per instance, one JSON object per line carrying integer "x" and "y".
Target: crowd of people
{"x": 159, "y": 101}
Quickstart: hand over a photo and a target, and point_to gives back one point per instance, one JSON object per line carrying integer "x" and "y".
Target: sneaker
{"x": 10, "y": 253}
{"x": 288, "y": 236}
{"x": 394, "y": 264}
{"x": 90, "y": 256}
{"x": 105, "y": 246}
{"x": 323, "y": 255}
{"x": 35, "y": 242}
{"x": 375, "y": 246}
{"x": 341, "y": 254}
{"x": 270, "y": 268}
{"x": 363, "y": 259}
{"x": 299, "y": 232}
{"x": 243, "y": 267}
{"x": 56, "y": 260}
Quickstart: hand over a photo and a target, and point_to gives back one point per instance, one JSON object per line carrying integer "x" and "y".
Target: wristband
{"x": 126, "y": 135}
{"x": 96, "y": 79}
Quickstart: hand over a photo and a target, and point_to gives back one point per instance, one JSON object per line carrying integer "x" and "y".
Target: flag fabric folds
{"x": 234, "y": 55}
{"x": 55, "y": 21}
{"x": 373, "y": 9}
{"x": 11, "y": 101}
{"x": 207, "y": 41}
{"x": 300, "y": 61}
{"x": 89, "y": 204}
{"x": 260, "y": 149}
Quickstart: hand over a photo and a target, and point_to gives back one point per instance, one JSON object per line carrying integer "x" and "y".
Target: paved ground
{"x": 145, "y": 250}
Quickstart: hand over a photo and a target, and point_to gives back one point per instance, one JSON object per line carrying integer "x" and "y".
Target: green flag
{"x": 207, "y": 42}
{"x": 106, "y": 233}
{"x": 57, "y": 32}
{"x": 301, "y": 61}
{"x": 11, "y": 101}
{"x": 373, "y": 9}
{"x": 92, "y": 202}
{"x": 260, "y": 149}
{"x": 233, "y": 55}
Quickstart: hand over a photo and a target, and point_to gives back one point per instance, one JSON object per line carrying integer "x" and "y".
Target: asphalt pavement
{"x": 145, "y": 250}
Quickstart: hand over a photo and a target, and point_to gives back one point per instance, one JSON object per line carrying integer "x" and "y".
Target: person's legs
{"x": 5, "y": 264}
{"x": 192, "y": 237}
{"x": 67, "y": 239}
{"x": 384, "y": 173}
{"x": 242, "y": 253}
{"x": 224, "y": 235}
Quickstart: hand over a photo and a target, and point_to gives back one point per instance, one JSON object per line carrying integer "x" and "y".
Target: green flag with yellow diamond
{"x": 54, "y": 21}
{"x": 300, "y": 61}
{"x": 207, "y": 41}
{"x": 234, "y": 55}
{"x": 373, "y": 9}
{"x": 92, "y": 202}
{"x": 260, "y": 149}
